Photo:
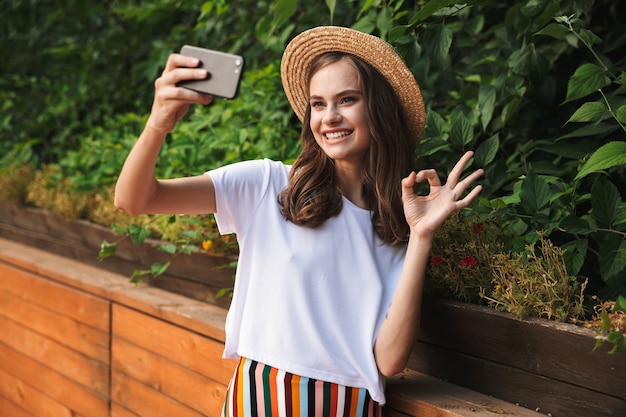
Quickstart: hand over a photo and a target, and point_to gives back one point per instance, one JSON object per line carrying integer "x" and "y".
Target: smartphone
{"x": 224, "y": 72}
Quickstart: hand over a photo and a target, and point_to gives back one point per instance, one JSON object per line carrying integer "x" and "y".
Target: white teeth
{"x": 335, "y": 135}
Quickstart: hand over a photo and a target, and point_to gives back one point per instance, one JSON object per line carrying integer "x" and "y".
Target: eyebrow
{"x": 341, "y": 93}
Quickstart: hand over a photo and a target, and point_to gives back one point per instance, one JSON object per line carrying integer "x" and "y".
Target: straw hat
{"x": 308, "y": 45}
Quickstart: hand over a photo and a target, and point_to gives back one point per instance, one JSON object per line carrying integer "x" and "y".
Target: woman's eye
{"x": 348, "y": 99}
{"x": 316, "y": 104}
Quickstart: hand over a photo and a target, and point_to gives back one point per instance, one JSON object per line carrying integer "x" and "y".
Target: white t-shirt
{"x": 306, "y": 301}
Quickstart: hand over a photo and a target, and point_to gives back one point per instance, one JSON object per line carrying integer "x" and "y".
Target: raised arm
{"x": 137, "y": 190}
{"x": 425, "y": 215}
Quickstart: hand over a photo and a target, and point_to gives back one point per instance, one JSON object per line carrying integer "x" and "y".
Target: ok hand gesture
{"x": 426, "y": 214}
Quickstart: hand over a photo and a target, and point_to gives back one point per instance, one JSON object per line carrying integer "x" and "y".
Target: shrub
{"x": 535, "y": 283}
{"x": 462, "y": 258}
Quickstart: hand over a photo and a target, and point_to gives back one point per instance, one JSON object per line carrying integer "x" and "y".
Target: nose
{"x": 332, "y": 115}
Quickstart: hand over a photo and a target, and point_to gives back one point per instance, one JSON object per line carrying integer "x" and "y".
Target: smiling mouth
{"x": 338, "y": 135}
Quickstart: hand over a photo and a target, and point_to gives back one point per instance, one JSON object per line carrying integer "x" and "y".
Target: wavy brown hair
{"x": 312, "y": 195}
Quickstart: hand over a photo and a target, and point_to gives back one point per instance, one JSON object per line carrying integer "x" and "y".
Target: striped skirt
{"x": 258, "y": 390}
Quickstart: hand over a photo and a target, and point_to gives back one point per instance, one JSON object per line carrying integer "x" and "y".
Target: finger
{"x": 456, "y": 172}
{"x": 465, "y": 202}
{"x": 166, "y": 89}
{"x": 177, "y": 75}
{"x": 177, "y": 61}
{"x": 467, "y": 181}
{"x": 407, "y": 185}
{"x": 167, "y": 86}
{"x": 430, "y": 175}
{"x": 180, "y": 68}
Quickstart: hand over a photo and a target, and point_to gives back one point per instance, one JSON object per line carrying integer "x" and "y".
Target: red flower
{"x": 478, "y": 228}
{"x": 469, "y": 261}
{"x": 436, "y": 260}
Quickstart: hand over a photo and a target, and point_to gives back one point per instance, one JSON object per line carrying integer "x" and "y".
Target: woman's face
{"x": 339, "y": 113}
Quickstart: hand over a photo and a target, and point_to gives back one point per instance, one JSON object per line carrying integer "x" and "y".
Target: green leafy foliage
{"x": 537, "y": 89}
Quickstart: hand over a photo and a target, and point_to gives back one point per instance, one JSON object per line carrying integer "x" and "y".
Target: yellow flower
{"x": 207, "y": 244}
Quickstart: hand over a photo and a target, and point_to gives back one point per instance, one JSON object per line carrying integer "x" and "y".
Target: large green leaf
{"x": 385, "y": 21}
{"x": 587, "y": 79}
{"x": 589, "y": 112}
{"x": 435, "y": 126}
{"x": 461, "y": 131}
{"x": 575, "y": 225}
{"x": 486, "y": 104}
{"x": 487, "y": 151}
{"x": 555, "y": 30}
{"x": 438, "y": 39}
{"x": 621, "y": 114}
{"x": 286, "y": 8}
{"x": 535, "y": 193}
{"x": 331, "y": 7}
{"x": 607, "y": 156}
{"x": 431, "y": 7}
{"x": 605, "y": 201}
{"x": 591, "y": 129}
{"x": 610, "y": 259}
{"x": 575, "y": 254}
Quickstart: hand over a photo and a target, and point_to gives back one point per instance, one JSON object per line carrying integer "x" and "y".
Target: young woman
{"x": 333, "y": 250}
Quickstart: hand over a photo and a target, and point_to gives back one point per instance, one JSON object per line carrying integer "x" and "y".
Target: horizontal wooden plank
{"x": 556, "y": 350}
{"x": 9, "y": 409}
{"x": 145, "y": 401}
{"x": 421, "y": 395}
{"x": 63, "y": 329}
{"x": 54, "y": 355}
{"x": 185, "y": 386}
{"x": 191, "y": 350}
{"x": 197, "y": 315}
{"x": 118, "y": 411}
{"x": 515, "y": 385}
{"x": 30, "y": 399}
{"x": 83, "y": 307}
{"x": 76, "y": 397}
{"x": 393, "y": 413}
{"x": 202, "y": 291}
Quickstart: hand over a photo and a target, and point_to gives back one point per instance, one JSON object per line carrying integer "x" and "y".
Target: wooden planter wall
{"x": 77, "y": 341}
{"x": 536, "y": 363}
{"x": 80, "y": 342}
{"x": 198, "y": 276}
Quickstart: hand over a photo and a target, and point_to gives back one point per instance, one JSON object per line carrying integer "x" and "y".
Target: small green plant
{"x": 610, "y": 324}
{"x": 138, "y": 235}
{"x": 180, "y": 235}
{"x": 536, "y": 283}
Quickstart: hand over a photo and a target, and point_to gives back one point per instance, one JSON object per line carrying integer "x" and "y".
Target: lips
{"x": 337, "y": 135}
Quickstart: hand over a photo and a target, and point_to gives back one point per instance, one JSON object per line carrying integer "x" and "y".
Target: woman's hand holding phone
{"x": 172, "y": 101}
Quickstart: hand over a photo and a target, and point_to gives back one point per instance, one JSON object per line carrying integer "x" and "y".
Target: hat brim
{"x": 307, "y": 46}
